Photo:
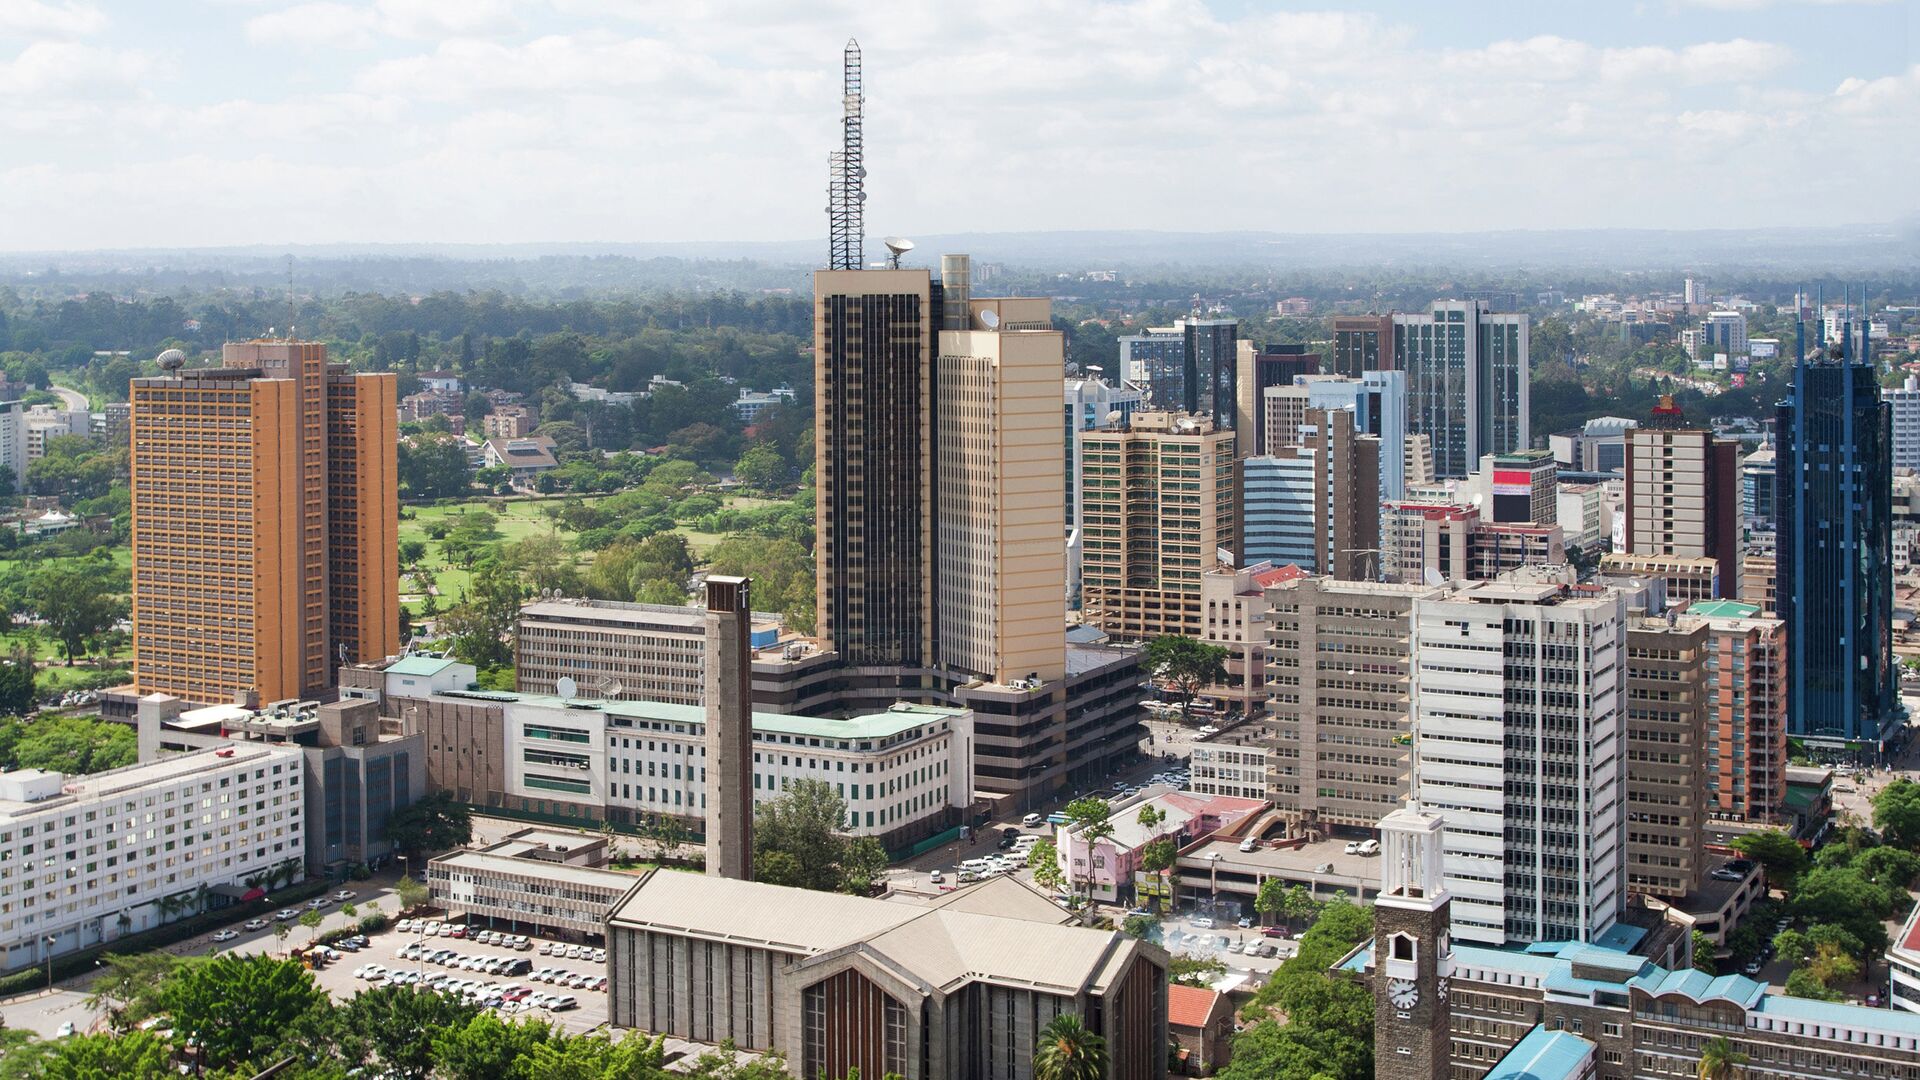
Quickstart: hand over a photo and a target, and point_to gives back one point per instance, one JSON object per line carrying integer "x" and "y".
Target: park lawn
{"x": 58, "y": 678}
{"x": 518, "y": 519}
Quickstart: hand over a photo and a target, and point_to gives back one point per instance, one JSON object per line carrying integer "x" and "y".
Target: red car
{"x": 1275, "y": 931}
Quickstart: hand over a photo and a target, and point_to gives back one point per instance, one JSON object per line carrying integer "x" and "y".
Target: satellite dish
{"x": 566, "y": 688}
{"x": 896, "y": 247}
{"x": 1095, "y": 367}
{"x": 173, "y": 360}
{"x": 1433, "y": 577}
{"x": 1113, "y": 416}
{"x": 990, "y": 319}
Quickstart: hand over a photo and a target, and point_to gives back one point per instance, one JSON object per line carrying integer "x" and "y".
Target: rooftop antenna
{"x": 896, "y": 247}
{"x": 847, "y": 173}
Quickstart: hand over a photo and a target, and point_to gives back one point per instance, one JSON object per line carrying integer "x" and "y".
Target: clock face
{"x": 1403, "y": 993}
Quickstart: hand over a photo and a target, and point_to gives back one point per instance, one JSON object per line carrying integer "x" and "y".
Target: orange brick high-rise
{"x": 265, "y": 513}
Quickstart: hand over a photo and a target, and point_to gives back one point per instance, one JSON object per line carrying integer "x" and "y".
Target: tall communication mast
{"x": 846, "y": 225}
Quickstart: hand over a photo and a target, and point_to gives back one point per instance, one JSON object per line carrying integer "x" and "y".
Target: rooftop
{"x": 1723, "y": 609}
{"x": 503, "y": 863}
{"x": 166, "y": 769}
{"x": 1544, "y": 1055}
{"x": 898, "y": 718}
{"x": 420, "y": 665}
{"x": 1189, "y": 1006}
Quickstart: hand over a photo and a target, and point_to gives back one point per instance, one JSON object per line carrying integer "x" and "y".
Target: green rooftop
{"x": 1723, "y": 609}
{"x": 421, "y": 665}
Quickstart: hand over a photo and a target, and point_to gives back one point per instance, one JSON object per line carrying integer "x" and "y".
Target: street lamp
{"x": 50, "y": 941}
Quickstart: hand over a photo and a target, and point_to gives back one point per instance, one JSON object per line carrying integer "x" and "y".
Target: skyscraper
{"x": 1213, "y": 365}
{"x": 1665, "y": 704}
{"x": 1158, "y": 505}
{"x": 1259, "y": 370}
{"x": 1466, "y": 381}
{"x": 1834, "y": 566}
{"x": 1156, "y": 361}
{"x": 1316, "y": 505}
{"x": 874, "y": 333}
{"x": 1090, "y": 401}
{"x": 1362, "y": 343}
{"x": 1518, "y": 730}
{"x": 1001, "y": 546}
{"x": 264, "y": 518}
{"x": 1682, "y": 497}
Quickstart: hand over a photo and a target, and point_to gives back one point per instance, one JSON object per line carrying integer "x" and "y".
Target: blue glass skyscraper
{"x": 1834, "y": 572}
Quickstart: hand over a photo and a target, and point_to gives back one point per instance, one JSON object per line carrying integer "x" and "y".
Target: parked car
{"x": 1369, "y": 847}
{"x": 1249, "y": 844}
{"x": 1245, "y": 922}
{"x": 1032, "y": 821}
{"x": 65, "y": 1030}
{"x": 563, "y": 1003}
{"x": 1202, "y": 922}
{"x": 1754, "y": 965}
{"x": 1266, "y": 949}
{"x": 343, "y": 896}
{"x": 255, "y": 924}
{"x": 1324, "y": 868}
{"x": 225, "y": 935}
{"x": 288, "y": 915}
{"x": 1276, "y": 931}
{"x": 1353, "y": 847}
{"x": 318, "y": 903}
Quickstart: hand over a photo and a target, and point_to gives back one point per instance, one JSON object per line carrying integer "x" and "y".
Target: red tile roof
{"x": 1189, "y": 1006}
{"x": 1278, "y": 575}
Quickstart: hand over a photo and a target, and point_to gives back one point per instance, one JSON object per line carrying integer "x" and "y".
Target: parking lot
{"x": 457, "y": 961}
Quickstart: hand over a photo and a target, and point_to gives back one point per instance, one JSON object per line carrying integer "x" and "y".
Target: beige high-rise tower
{"x": 728, "y": 773}
{"x": 1002, "y": 550}
{"x": 265, "y": 511}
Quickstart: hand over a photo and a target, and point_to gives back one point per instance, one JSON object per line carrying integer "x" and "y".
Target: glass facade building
{"x": 1834, "y": 538}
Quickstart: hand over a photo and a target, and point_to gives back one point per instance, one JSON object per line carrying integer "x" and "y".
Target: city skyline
{"x": 359, "y": 123}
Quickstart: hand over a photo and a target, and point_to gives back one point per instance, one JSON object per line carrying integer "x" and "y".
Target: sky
{"x": 196, "y": 123}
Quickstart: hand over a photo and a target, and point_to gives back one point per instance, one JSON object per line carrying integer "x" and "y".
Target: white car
{"x": 288, "y": 915}
{"x": 66, "y": 1029}
{"x": 1032, "y": 821}
{"x": 1249, "y": 844}
{"x": 225, "y": 935}
{"x": 343, "y": 896}
{"x": 1369, "y": 847}
{"x": 936, "y": 877}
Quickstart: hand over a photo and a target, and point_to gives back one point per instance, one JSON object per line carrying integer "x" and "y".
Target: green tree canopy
{"x": 1190, "y": 665}
{"x": 241, "y": 1009}
{"x": 798, "y": 840}
{"x": 1069, "y": 1051}
{"x": 1781, "y": 854}
{"x": 1896, "y": 813}
{"x": 435, "y": 823}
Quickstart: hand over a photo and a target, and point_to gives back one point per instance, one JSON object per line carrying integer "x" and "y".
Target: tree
{"x": 394, "y": 1026}
{"x": 434, "y": 823}
{"x": 412, "y": 551}
{"x": 1139, "y": 926}
{"x": 311, "y": 920}
{"x": 1792, "y": 946}
{"x": 78, "y": 599}
{"x": 1069, "y": 1051}
{"x": 1089, "y": 818}
{"x": 1802, "y": 983}
{"x": 280, "y": 932}
{"x": 240, "y": 1009}
{"x": 1044, "y": 860}
{"x": 1197, "y": 971}
{"x": 16, "y": 684}
{"x": 1189, "y": 665}
{"x": 1159, "y": 855}
{"x": 75, "y": 745}
{"x": 411, "y": 892}
{"x": 433, "y": 467}
{"x": 1896, "y": 813}
{"x": 1150, "y": 816}
{"x": 1299, "y": 904}
{"x": 133, "y": 980}
{"x": 105, "y": 1057}
{"x": 1703, "y": 949}
{"x": 761, "y": 467}
{"x": 1719, "y": 1060}
{"x": 1781, "y": 854}
{"x": 1271, "y": 897}
{"x": 805, "y": 825}
{"x": 488, "y": 1048}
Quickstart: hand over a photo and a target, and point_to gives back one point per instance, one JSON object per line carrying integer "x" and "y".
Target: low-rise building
{"x": 1105, "y": 868}
{"x": 88, "y": 859}
{"x": 1687, "y": 579}
{"x": 1200, "y": 1022}
{"x": 526, "y": 458}
{"x": 535, "y": 879}
{"x": 751, "y": 403}
{"x": 1232, "y": 763}
{"x": 959, "y": 988}
{"x": 508, "y": 422}
{"x": 628, "y": 652}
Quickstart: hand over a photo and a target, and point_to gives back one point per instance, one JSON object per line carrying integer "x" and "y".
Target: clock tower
{"x": 1412, "y": 954}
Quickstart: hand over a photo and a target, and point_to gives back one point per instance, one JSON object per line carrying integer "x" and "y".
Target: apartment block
{"x": 264, "y": 524}
{"x": 1337, "y": 734}
{"x": 1746, "y": 744}
{"x": 1517, "y": 713}
{"x": 13, "y": 443}
{"x": 1159, "y": 507}
{"x": 88, "y": 859}
{"x": 1667, "y": 698}
{"x": 618, "y": 651}
{"x": 1235, "y": 602}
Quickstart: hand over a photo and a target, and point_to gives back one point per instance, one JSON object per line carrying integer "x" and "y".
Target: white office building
{"x": 88, "y": 859}
{"x": 1906, "y": 423}
{"x": 1519, "y": 735}
{"x": 13, "y": 443}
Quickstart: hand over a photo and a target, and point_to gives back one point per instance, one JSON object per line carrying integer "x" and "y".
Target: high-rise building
{"x": 874, "y": 335}
{"x": 1746, "y": 712}
{"x": 1316, "y": 505}
{"x": 1905, "y": 403}
{"x": 1667, "y": 696}
{"x": 1001, "y": 545}
{"x": 1156, "y": 361}
{"x": 13, "y": 443}
{"x": 1158, "y": 505}
{"x": 1834, "y": 537}
{"x": 1339, "y": 751}
{"x": 1362, "y": 343}
{"x": 617, "y": 651}
{"x": 1695, "y": 293}
{"x": 728, "y": 774}
{"x": 265, "y": 512}
{"x": 1423, "y": 542}
{"x": 1090, "y": 402}
{"x": 1724, "y": 332}
{"x": 1466, "y": 381}
{"x": 1213, "y": 369}
{"x": 1258, "y": 370}
{"x": 1756, "y": 502}
{"x": 1378, "y": 402}
{"x": 1682, "y": 497}
{"x": 1521, "y": 487}
{"x": 1519, "y": 728}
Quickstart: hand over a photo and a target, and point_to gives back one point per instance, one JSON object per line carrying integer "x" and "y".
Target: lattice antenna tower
{"x": 847, "y": 174}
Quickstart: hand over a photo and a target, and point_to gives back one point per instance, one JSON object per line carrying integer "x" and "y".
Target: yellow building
{"x": 264, "y": 518}
{"x": 1158, "y": 505}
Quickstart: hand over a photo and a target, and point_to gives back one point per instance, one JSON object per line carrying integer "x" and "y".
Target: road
{"x": 75, "y": 400}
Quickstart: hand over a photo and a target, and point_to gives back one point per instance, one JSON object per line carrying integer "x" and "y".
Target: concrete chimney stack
{"x": 729, "y": 785}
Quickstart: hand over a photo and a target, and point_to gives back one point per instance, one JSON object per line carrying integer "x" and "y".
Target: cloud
{"x": 65, "y": 18}
{"x": 336, "y": 25}
{"x": 47, "y": 71}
